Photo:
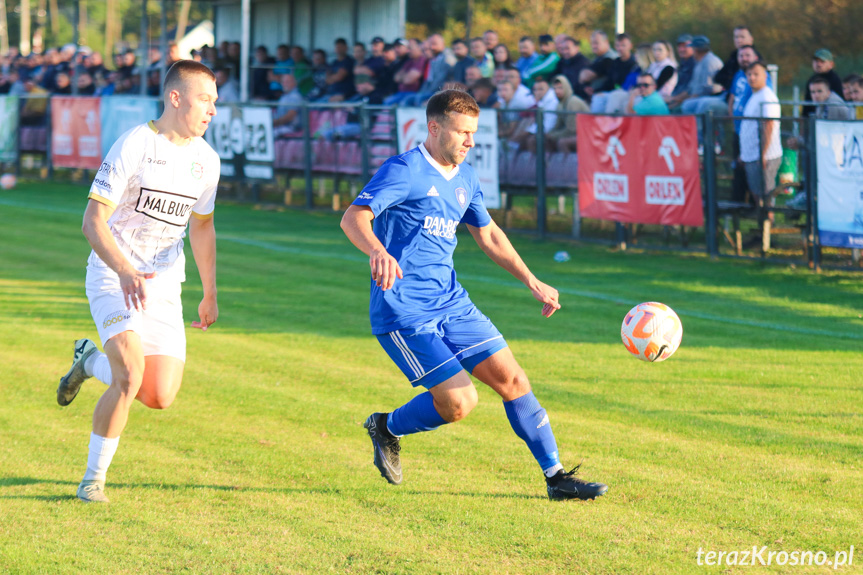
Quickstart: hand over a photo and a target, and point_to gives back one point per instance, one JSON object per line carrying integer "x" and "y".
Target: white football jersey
{"x": 154, "y": 187}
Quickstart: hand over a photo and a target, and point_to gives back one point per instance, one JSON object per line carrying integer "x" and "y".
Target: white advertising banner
{"x": 243, "y": 138}
{"x": 839, "y": 155}
{"x": 412, "y": 131}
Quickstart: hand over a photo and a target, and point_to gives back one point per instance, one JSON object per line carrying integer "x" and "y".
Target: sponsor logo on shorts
{"x": 197, "y": 170}
{"x": 116, "y": 317}
{"x": 165, "y": 207}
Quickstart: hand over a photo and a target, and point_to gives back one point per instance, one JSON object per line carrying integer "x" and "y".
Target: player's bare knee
{"x": 460, "y": 404}
{"x": 157, "y": 401}
{"x": 520, "y": 385}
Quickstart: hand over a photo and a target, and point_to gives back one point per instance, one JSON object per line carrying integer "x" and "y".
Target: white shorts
{"x": 160, "y": 326}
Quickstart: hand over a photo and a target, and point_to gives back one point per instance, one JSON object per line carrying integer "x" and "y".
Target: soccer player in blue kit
{"x": 405, "y": 220}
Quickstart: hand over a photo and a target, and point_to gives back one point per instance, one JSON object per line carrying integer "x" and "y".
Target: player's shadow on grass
{"x": 25, "y": 481}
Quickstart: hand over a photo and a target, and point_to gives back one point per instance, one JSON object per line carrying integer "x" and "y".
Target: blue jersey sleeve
{"x": 388, "y": 187}
{"x": 476, "y": 214}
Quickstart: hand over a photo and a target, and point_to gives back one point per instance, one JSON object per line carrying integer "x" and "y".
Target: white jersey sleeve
{"x": 205, "y": 205}
{"x": 119, "y": 167}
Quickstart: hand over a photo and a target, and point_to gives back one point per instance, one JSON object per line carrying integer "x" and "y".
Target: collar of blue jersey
{"x": 447, "y": 175}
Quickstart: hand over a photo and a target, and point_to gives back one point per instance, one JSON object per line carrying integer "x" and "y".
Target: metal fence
{"x": 337, "y": 148}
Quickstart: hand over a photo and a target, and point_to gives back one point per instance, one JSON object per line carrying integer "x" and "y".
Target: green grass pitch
{"x": 751, "y": 435}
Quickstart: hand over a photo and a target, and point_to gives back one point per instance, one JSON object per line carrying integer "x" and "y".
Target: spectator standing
{"x": 462, "y": 60}
{"x": 360, "y": 54}
{"x": 483, "y": 59}
{"x": 738, "y": 97}
{"x": 527, "y": 55}
{"x": 685, "y": 68}
{"x": 830, "y": 105}
{"x": 62, "y": 84}
{"x": 645, "y": 100}
{"x": 545, "y": 65}
{"x": 472, "y": 76}
{"x": 822, "y": 65}
{"x": 760, "y": 147}
{"x": 340, "y": 74}
{"x": 86, "y": 87}
{"x": 742, "y": 37}
{"x": 571, "y": 63}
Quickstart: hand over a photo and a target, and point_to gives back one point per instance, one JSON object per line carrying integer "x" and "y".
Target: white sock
{"x": 98, "y": 366}
{"x": 552, "y": 470}
{"x": 102, "y": 450}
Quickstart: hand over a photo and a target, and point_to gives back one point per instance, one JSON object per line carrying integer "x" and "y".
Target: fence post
{"x": 811, "y": 203}
{"x": 710, "y": 184}
{"x": 307, "y": 156}
{"x": 540, "y": 172}
{"x": 365, "y": 126}
{"x": 49, "y": 141}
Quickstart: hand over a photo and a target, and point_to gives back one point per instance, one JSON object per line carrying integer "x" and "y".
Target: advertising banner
{"x": 639, "y": 170}
{"x": 243, "y": 138}
{"x": 839, "y": 154}
{"x": 75, "y": 132}
{"x": 412, "y": 131}
{"x": 122, "y": 113}
{"x": 8, "y": 128}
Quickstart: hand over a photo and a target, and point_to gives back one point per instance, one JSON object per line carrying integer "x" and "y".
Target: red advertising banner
{"x": 639, "y": 169}
{"x": 75, "y": 133}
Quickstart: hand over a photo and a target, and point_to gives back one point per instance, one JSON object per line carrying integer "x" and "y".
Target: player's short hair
{"x": 759, "y": 62}
{"x": 820, "y": 80}
{"x": 447, "y": 102}
{"x": 180, "y": 72}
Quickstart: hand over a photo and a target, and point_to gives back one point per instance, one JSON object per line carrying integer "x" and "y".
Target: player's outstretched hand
{"x": 208, "y": 311}
{"x": 547, "y": 295}
{"x": 385, "y": 269}
{"x": 134, "y": 286}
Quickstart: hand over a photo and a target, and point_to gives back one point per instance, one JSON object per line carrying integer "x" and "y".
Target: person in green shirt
{"x": 546, "y": 64}
{"x": 302, "y": 70}
{"x": 651, "y": 103}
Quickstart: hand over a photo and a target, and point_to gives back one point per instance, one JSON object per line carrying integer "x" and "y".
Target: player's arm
{"x": 202, "y": 236}
{"x": 497, "y": 246}
{"x": 97, "y": 232}
{"x": 357, "y": 225}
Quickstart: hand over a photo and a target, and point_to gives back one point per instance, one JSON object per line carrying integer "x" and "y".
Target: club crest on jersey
{"x": 197, "y": 170}
{"x": 173, "y": 209}
{"x": 461, "y": 196}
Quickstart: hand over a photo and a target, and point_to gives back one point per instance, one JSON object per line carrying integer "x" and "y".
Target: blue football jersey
{"x": 417, "y": 208}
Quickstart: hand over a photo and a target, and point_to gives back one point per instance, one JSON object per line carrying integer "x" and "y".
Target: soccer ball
{"x": 651, "y": 331}
{"x": 7, "y": 181}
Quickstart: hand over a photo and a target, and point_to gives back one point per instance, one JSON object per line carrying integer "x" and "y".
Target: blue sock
{"x": 530, "y": 422}
{"x": 419, "y": 414}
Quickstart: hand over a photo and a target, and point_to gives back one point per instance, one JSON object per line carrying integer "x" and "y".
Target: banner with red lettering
{"x": 75, "y": 132}
{"x": 639, "y": 169}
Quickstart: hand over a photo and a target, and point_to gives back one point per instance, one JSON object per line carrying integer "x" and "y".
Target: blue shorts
{"x": 437, "y": 350}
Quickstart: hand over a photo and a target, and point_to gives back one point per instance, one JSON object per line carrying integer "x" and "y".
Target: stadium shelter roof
{"x": 308, "y": 23}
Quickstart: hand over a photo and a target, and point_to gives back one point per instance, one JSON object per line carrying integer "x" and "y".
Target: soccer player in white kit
{"x": 157, "y": 178}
